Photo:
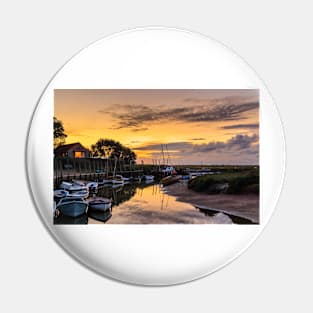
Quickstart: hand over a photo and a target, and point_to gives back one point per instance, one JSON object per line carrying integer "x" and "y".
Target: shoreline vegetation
{"x": 231, "y": 180}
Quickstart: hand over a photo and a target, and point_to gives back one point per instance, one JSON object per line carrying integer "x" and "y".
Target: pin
{"x": 155, "y": 156}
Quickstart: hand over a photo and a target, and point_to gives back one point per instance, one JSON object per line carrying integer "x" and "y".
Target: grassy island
{"x": 230, "y": 180}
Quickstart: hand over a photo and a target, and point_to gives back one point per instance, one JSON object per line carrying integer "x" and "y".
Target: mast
{"x": 163, "y": 155}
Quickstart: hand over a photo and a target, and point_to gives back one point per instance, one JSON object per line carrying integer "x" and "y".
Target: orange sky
{"x": 198, "y": 126}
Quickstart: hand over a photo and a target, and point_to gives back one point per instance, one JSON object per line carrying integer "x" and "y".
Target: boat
{"x": 100, "y": 204}
{"x": 126, "y": 179}
{"x": 149, "y": 177}
{"x": 118, "y": 180}
{"x": 107, "y": 180}
{"x": 72, "y": 187}
{"x": 75, "y": 189}
{"x": 84, "y": 193}
{"x": 170, "y": 180}
{"x": 72, "y": 206}
{"x": 60, "y": 193}
{"x": 92, "y": 185}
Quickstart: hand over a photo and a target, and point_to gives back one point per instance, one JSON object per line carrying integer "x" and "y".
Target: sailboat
{"x": 117, "y": 179}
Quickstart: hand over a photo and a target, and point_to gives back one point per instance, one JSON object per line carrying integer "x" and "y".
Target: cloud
{"x": 235, "y": 143}
{"x": 242, "y": 126}
{"x": 199, "y": 138}
{"x": 138, "y": 116}
{"x": 140, "y": 129}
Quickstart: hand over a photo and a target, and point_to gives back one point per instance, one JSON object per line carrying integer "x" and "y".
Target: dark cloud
{"x": 199, "y": 138}
{"x": 172, "y": 146}
{"x": 135, "y": 116}
{"x": 237, "y": 143}
{"x": 140, "y": 129}
{"x": 241, "y": 126}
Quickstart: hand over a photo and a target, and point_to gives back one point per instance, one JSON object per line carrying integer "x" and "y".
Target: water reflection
{"x": 146, "y": 204}
{"x": 150, "y": 204}
{"x": 68, "y": 220}
{"x": 100, "y": 216}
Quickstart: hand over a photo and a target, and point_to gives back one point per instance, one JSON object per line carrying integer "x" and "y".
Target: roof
{"x": 65, "y": 148}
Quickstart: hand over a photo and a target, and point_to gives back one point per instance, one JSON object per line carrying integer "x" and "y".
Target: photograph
{"x": 156, "y": 156}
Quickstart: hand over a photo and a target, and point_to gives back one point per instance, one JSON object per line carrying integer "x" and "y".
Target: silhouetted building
{"x": 72, "y": 150}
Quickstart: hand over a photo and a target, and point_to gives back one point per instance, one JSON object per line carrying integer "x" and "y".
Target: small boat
{"x": 126, "y": 179}
{"x": 92, "y": 185}
{"x": 185, "y": 177}
{"x": 118, "y": 180}
{"x": 100, "y": 204}
{"x": 84, "y": 193}
{"x": 107, "y": 180}
{"x": 72, "y": 187}
{"x": 60, "y": 193}
{"x": 149, "y": 177}
{"x": 72, "y": 206}
{"x": 169, "y": 180}
{"x": 136, "y": 179}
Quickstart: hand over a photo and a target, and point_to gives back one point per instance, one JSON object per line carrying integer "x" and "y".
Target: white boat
{"x": 149, "y": 177}
{"x": 92, "y": 186}
{"x": 107, "y": 180}
{"x": 72, "y": 187}
{"x": 72, "y": 206}
{"x": 118, "y": 180}
{"x": 84, "y": 193}
{"x": 60, "y": 193}
{"x": 100, "y": 204}
{"x": 126, "y": 179}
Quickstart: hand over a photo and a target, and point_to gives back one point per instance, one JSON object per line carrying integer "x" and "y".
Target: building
{"x": 72, "y": 150}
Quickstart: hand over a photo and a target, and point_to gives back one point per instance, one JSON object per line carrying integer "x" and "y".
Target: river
{"x": 146, "y": 204}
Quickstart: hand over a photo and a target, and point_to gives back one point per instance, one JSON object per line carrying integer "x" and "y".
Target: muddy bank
{"x": 245, "y": 206}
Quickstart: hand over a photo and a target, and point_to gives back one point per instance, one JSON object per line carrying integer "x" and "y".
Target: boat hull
{"x": 100, "y": 205}
{"x": 72, "y": 209}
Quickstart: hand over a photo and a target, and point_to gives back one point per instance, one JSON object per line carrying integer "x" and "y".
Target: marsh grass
{"x": 233, "y": 181}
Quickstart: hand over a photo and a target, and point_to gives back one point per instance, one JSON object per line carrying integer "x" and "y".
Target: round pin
{"x": 155, "y": 156}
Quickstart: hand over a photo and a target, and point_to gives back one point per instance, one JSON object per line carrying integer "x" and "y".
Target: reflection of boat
{"x": 100, "y": 204}
{"x": 72, "y": 206}
{"x": 60, "y": 193}
{"x": 149, "y": 177}
{"x": 100, "y": 215}
{"x": 118, "y": 180}
{"x": 63, "y": 219}
{"x": 169, "y": 180}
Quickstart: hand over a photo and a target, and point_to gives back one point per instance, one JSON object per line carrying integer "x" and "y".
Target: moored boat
{"x": 60, "y": 193}
{"x": 100, "y": 204}
{"x": 170, "y": 180}
{"x": 84, "y": 193}
{"x": 118, "y": 180}
{"x": 72, "y": 206}
{"x": 149, "y": 177}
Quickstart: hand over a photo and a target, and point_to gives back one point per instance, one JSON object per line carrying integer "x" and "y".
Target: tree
{"x": 59, "y": 134}
{"x": 112, "y": 149}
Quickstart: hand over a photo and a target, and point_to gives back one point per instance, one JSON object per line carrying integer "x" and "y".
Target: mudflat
{"x": 242, "y": 205}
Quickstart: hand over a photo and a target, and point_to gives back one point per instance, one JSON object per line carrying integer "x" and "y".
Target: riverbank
{"x": 244, "y": 205}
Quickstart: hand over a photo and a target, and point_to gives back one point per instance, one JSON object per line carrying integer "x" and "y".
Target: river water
{"x": 145, "y": 204}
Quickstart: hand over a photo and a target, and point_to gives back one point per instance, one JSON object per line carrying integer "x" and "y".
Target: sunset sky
{"x": 196, "y": 126}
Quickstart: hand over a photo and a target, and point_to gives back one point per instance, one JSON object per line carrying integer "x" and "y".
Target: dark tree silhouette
{"x": 112, "y": 149}
{"x": 58, "y": 133}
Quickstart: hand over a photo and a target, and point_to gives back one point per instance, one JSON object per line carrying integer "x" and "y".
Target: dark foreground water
{"x": 145, "y": 204}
